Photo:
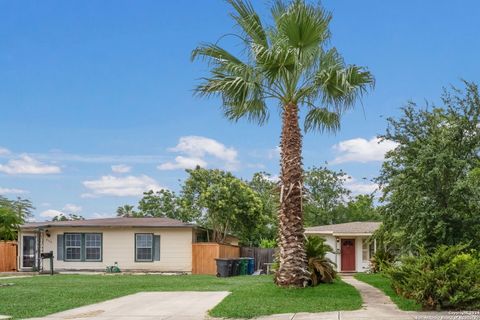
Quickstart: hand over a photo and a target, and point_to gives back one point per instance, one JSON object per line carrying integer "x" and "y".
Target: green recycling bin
{"x": 243, "y": 266}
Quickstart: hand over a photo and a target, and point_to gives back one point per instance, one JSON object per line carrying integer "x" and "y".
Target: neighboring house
{"x": 135, "y": 244}
{"x": 350, "y": 242}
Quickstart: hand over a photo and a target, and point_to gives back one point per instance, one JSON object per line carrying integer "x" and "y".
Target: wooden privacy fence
{"x": 261, "y": 256}
{"x": 8, "y": 256}
{"x": 205, "y": 253}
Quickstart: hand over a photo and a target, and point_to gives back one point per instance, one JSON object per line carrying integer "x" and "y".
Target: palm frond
{"x": 214, "y": 54}
{"x": 322, "y": 119}
{"x": 304, "y": 25}
{"x": 275, "y": 61}
{"x": 240, "y": 87}
{"x": 340, "y": 86}
{"x": 249, "y": 21}
{"x": 254, "y": 109}
{"x": 286, "y": 61}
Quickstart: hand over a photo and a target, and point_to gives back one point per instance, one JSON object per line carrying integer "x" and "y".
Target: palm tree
{"x": 126, "y": 211}
{"x": 287, "y": 62}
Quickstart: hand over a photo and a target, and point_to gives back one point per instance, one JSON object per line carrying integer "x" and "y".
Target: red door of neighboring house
{"x": 348, "y": 254}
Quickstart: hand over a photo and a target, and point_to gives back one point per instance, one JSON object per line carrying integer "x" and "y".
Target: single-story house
{"x": 135, "y": 244}
{"x": 350, "y": 242}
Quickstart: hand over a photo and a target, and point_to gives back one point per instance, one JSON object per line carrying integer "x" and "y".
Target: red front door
{"x": 348, "y": 254}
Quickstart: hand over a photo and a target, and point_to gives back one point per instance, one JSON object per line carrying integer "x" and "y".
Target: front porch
{"x": 351, "y": 242}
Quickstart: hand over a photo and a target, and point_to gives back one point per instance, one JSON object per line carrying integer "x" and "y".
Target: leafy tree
{"x": 360, "y": 208}
{"x": 430, "y": 180}
{"x": 22, "y": 207}
{"x": 13, "y": 213}
{"x": 224, "y": 204}
{"x": 325, "y": 194}
{"x": 164, "y": 203}
{"x": 287, "y": 62}
{"x": 9, "y": 223}
{"x": 267, "y": 190}
{"x": 126, "y": 211}
{"x": 68, "y": 217}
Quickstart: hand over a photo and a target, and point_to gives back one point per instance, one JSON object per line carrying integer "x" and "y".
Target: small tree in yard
{"x": 289, "y": 63}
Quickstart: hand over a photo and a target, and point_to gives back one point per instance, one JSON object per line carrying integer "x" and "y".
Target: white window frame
{"x": 151, "y": 247}
{"x": 95, "y": 246}
{"x": 66, "y": 246}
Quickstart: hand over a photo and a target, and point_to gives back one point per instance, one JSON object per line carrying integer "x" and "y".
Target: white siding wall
{"x": 119, "y": 246}
{"x": 360, "y": 265}
{"x": 331, "y": 241}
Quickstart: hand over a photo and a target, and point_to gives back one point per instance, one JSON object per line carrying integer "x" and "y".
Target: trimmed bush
{"x": 448, "y": 278}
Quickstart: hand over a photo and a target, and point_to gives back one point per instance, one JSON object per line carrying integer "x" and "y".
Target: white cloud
{"x": 361, "y": 187}
{"x": 50, "y": 213}
{"x": 199, "y": 146}
{"x": 183, "y": 163}
{"x": 72, "y": 208}
{"x": 196, "y": 148}
{"x": 4, "y": 151}
{"x": 12, "y": 191}
{"x": 121, "y": 168}
{"x": 28, "y": 165}
{"x": 272, "y": 178}
{"x": 362, "y": 150}
{"x": 120, "y": 186}
{"x": 274, "y": 153}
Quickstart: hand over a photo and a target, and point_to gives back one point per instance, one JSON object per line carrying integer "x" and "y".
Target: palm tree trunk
{"x": 293, "y": 260}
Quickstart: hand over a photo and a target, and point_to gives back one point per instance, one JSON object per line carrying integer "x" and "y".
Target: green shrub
{"x": 322, "y": 269}
{"x": 381, "y": 260}
{"x": 448, "y": 278}
{"x": 268, "y": 243}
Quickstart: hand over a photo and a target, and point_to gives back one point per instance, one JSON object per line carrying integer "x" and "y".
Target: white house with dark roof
{"x": 350, "y": 242}
{"x": 135, "y": 244}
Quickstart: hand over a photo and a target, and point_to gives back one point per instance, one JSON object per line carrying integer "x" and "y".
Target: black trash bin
{"x": 223, "y": 267}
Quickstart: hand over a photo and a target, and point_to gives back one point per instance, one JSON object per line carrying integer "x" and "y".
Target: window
{"x": 371, "y": 249}
{"x": 143, "y": 247}
{"x": 73, "y": 246}
{"x": 365, "y": 253}
{"x": 83, "y": 246}
{"x": 93, "y": 247}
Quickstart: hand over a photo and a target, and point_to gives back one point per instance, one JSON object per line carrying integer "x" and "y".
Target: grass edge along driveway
{"x": 251, "y": 295}
{"x": 381, "y": 282}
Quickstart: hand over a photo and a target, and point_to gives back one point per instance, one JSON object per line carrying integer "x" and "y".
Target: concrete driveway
{"x": 148, "y": 306}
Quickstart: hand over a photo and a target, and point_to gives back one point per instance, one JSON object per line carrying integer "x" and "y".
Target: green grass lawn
{"x": 383, "y": 283}
{"x": 251, "y": 295}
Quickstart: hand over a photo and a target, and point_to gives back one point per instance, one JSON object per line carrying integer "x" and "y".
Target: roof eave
{"x": 101, "y": 226}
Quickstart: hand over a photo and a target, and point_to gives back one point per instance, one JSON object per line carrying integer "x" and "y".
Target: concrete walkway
{"x": 185, "y": 305}
{"x": 376, "y": 306}
{"x": 14, "y": 277}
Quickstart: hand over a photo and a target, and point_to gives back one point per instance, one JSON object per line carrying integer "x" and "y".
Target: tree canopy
{"x": 218, "y": 201}
{"x": 13, "y": 213}
{"x": 329, "y": 201}
{"x": 430, "y": 181}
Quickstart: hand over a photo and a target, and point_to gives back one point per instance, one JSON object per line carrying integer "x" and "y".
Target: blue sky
{"x": 87, "y": 85}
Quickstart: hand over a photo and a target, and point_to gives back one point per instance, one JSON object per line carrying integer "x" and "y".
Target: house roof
{"x": 112, "y": 222}
{"x": 367, "y": 228}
